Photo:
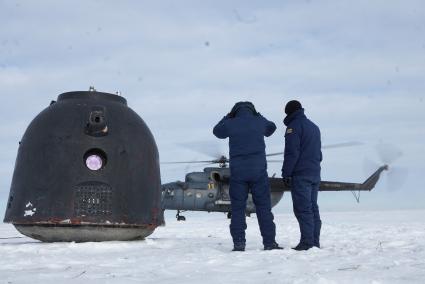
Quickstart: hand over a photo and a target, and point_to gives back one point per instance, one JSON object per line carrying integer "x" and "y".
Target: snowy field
{"x": 361, "y": 247}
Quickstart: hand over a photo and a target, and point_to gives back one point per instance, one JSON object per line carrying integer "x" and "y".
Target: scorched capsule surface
{"x": 87, "y": 170}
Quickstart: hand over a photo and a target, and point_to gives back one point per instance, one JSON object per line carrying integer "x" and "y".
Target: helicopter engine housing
{"x": 220, "y": 176}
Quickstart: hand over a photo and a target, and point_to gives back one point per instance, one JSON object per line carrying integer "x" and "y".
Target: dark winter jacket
{"x": 302, "y": 146}
{"x": 246, "y": 133}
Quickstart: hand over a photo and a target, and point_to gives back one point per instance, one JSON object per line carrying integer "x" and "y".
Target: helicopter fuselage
{"x": 206, "y": 191}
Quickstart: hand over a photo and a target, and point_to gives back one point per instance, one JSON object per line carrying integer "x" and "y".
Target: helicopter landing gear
{"x": 180, "y": 217}
{"x": 229, "y": 215}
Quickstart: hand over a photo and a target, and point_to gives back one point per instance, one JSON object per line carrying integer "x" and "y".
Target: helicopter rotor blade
{"x": 213, "y": 149}
{"x": 275, "y": 154}
{"x": 330, "y": 146}
{"x": 187, "y": 167}
{"x": 191, "y": 166}
{"x": 190, "y": 162}
{"x": 274, "y": 161}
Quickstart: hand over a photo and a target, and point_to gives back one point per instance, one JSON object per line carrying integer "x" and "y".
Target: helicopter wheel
{"x": 229, "y": 215}
{"x": 180, "y": 217}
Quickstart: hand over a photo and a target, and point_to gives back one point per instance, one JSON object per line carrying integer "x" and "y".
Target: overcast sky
{"x": 358, "y": 68}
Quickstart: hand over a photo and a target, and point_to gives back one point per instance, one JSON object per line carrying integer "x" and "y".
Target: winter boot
{"x": 272, "y": 246}
{"x": 302, "y": 246}
{"x": 238, "y": 247}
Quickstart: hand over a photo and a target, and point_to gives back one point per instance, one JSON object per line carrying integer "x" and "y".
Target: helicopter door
{"x": 224, "y": 191}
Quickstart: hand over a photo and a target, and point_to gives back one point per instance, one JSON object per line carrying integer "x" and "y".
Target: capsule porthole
{"x": 95, "y": 159}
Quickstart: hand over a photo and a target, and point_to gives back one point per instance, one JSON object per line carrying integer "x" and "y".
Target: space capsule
{"x": 87, "y": 169}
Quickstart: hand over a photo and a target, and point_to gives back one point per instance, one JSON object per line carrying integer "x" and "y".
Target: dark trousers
{"x": 304, "y": 198}
{"x": 241, "y": 183}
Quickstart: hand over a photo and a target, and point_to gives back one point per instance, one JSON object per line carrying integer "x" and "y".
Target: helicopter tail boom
{"x": 368, "y": 185}
{"x": 277, "y": 185}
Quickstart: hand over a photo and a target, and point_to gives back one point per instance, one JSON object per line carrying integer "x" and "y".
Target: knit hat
{"x": 292, "y": 106}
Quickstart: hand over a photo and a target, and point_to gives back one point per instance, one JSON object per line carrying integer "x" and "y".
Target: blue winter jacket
{"x": 246, "y": 133}
{"x": 303, "y": 152}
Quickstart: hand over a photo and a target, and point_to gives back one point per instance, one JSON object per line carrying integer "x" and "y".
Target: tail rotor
{"x": 388, "y": 154}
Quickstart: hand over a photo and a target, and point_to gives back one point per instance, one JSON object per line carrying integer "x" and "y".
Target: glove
{"x": 287, "y": 181}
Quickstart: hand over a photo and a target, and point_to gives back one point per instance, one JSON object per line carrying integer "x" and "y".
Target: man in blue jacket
{"x": 301, "y": 171}
{"x": 246, "y": 129}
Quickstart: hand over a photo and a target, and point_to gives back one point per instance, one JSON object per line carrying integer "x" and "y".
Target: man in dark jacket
{"x": 301, "y": 170}
{"x": 246, "y": 129}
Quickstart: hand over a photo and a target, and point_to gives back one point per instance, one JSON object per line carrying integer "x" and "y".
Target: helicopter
{"x": 208, "y": 190}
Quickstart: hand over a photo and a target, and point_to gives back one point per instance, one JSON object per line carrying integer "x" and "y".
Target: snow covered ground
{"x": 358, "y": 247}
